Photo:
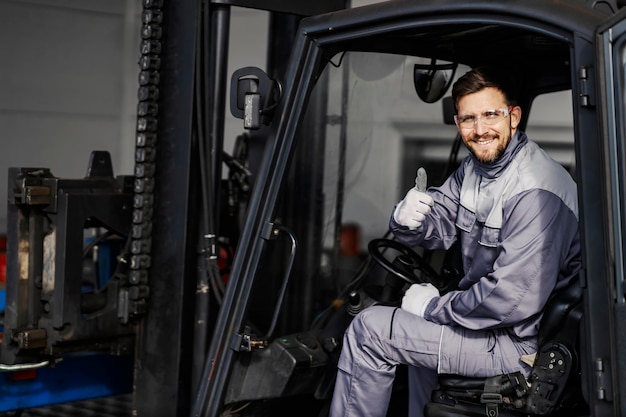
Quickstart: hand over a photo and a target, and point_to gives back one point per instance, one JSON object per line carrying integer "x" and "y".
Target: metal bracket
{"x": 34, "y": 186}
{"x": 31, "y": 338}
{"x": 601, "y": 379}
{"x": 245, "y": 343}
{"x": 585, "y": 82}
{"x": 270, "y": 231}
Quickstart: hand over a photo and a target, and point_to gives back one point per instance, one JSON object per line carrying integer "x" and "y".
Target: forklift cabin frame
{"x": 431, "y": 28}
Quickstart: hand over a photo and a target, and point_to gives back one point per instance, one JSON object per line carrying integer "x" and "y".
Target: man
{"x": 514, "y": 211}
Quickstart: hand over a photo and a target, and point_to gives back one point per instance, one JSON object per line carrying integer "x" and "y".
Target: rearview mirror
{"x": 433, "y": 80}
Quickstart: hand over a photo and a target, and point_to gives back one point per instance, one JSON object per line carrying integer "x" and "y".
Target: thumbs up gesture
{"x": 416, "y": 205}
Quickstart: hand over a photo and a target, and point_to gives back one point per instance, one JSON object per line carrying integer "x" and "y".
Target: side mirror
{"x": 433, "y": 80}
{"x": 253, "y": 96}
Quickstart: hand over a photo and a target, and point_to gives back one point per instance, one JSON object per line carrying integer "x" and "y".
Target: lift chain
{"x": 135, "y": 296}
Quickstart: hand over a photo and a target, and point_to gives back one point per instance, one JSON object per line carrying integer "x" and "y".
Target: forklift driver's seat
{"x": 553, "y": 388}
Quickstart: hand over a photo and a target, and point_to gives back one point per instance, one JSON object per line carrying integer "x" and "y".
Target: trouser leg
{"x": 349, "y": 403}
{"x": 378, "y": 339}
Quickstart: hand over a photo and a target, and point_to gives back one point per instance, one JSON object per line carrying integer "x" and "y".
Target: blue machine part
{"x": 77, "y": 377}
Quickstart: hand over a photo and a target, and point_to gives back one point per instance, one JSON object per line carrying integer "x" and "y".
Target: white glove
{"x": 413, "y": 209}
{"x": 417, "y": 297}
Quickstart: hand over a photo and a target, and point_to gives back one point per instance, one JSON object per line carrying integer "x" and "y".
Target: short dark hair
{"x": 480, "y": 78}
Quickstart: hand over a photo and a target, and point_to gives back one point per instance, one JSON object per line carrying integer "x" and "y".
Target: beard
{"x": 491, "y": 154}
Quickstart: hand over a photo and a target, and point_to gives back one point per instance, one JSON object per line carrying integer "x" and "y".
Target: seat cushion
{"x": 458, "y": 383}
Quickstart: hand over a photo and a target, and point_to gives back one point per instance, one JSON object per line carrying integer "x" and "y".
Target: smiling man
{"x": 514, "y": 211}
{"x": 486, "y": 135}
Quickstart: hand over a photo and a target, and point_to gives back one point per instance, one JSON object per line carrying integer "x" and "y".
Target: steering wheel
{"x": 405, "y": 264}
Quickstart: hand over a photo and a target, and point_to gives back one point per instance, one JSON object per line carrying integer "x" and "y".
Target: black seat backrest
{"x": 550, "y": 388}
{"x": 557, "y": 310}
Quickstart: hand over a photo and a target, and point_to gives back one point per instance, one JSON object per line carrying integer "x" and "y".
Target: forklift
{"x": 233, "y": 291}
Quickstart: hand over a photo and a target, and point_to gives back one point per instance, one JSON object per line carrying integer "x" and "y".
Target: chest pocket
{"x": 466, "y": 221}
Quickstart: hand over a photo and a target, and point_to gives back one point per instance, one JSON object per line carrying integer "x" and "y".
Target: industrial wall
{"x": 68, "y": 82}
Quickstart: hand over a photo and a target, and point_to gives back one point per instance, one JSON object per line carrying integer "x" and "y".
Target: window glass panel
{"x": 551, "y": 125}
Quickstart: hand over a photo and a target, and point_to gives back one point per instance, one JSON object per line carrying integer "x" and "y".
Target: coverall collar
{"x": 494, "y": 170}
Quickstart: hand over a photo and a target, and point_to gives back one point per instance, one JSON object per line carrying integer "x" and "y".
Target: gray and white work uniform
{"x": 517, "y": 221}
